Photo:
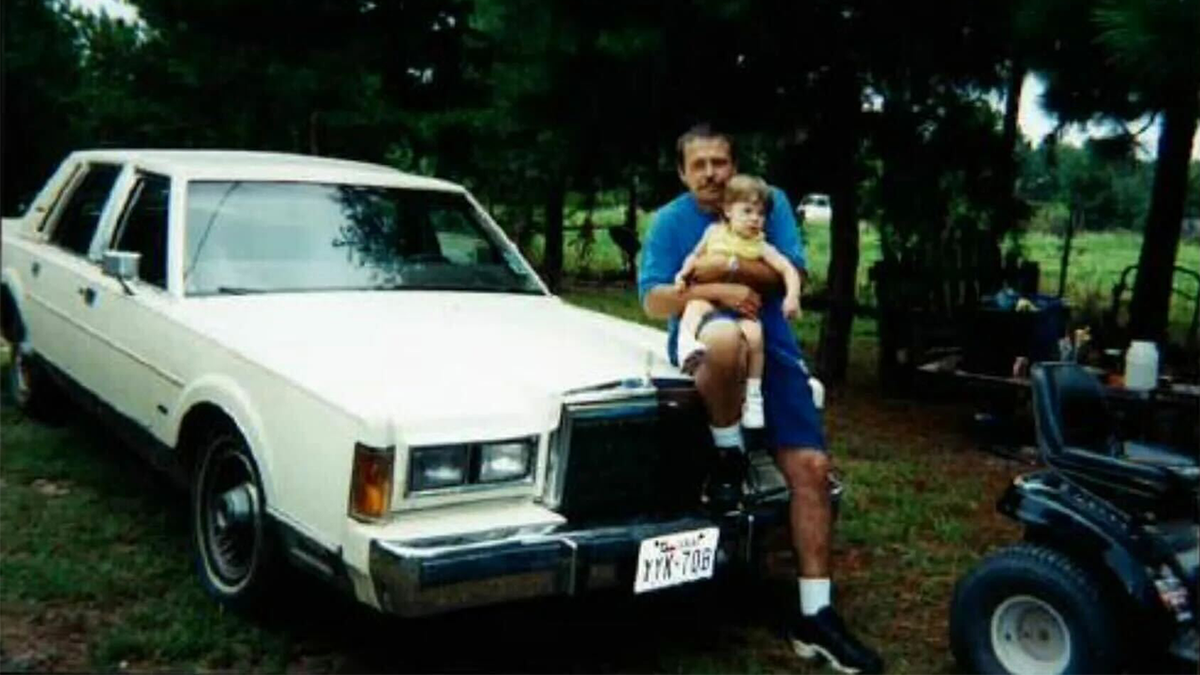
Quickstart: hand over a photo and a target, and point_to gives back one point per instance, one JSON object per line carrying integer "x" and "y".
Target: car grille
{"x": 637, "y": 457}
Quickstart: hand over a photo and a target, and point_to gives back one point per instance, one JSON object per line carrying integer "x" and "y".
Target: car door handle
{"x": 89, "y": 294}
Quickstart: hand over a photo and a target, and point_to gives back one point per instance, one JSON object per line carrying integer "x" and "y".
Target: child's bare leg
{"x": 752, "y": 409}
{"x": 688, "y": 349}
{"x": 693, "y": 312}
{"x": 752, "y": 331}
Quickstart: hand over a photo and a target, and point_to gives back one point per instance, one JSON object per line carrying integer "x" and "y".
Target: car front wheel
{"x": 233, "y": 544}
{"x": 1032, "y": 610}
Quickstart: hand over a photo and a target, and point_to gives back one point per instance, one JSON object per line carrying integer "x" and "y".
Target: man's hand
{"x": 741, "y": 299}
{"x": 753, "y": 273}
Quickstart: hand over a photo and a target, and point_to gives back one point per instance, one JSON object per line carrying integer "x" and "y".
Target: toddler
{"x": 738, "y": 236}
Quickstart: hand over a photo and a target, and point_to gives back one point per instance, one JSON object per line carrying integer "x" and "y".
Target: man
{"x": 793, "y": 426}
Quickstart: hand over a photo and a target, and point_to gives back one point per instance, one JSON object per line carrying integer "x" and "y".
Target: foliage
{"x": 1112, "y": 192}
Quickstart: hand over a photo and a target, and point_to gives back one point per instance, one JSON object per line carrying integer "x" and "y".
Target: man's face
{"x": 707, "y": 167}
{"x": 746, "y": 218}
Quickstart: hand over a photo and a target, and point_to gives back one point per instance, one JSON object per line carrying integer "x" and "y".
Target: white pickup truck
{"x": 352, "y": 369}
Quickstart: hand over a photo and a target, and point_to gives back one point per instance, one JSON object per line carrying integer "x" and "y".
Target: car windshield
{"x": 257, "y": 236}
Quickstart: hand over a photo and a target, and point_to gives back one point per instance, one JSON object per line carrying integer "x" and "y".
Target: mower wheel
{"x": 1033, "y": 610}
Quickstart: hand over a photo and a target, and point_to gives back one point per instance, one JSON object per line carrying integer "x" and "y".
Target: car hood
{"x": 439, "y": 365}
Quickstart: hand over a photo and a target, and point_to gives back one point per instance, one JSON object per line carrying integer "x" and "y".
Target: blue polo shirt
{"x": 675, "y": 229}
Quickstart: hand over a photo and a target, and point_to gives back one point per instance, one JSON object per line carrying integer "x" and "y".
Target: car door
{"x": 132, "y": 319}
{"x": 61, "y": 276}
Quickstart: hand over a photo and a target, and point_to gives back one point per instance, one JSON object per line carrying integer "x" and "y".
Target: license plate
{"x": 674, "y": 559}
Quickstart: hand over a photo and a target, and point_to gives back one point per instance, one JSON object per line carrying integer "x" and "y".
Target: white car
{"x": 814, "y": 208}
{"x": 352, "y": 369}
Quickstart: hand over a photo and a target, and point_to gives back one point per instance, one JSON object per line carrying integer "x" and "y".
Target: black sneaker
{"x": 723, "y": 490}
{"x": 824, "y": 635}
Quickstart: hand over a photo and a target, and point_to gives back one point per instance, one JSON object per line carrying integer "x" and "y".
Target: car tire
{"x": 29, "y": 387}
{"x": 232, "y": 540}
{"x": 1031, "y": 609}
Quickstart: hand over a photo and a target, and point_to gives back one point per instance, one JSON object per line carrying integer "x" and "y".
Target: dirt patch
{"x": 47, "y": 637}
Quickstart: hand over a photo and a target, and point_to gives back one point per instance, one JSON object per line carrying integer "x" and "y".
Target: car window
{"x": 77, "y": 224}
{"x": 259, "y": 236}
{"x": 143, "y": 227}
{"x": 459, "y": 240}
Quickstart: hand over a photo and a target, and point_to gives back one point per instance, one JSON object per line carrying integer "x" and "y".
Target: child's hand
{"x": 680, "y": 282}
{"x": 791, "y": 307}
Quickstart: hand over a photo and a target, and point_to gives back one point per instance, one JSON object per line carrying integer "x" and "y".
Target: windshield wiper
{"x": 238, "y": 290}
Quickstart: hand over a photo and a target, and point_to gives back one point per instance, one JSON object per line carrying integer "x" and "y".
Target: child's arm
{"x": 791, "y": 279}
{"x": 689, "y": 263}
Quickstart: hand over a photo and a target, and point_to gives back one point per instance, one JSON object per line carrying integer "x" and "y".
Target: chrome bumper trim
{"x": 421, "y": 577}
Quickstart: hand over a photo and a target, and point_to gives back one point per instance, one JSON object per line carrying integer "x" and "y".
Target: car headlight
{"x": 504, "y": 461}
{"x": 438, "y": 467}
{"x": 470, "y": 464}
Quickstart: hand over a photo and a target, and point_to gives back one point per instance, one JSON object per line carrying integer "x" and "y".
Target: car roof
{"x": 265, "y": 166}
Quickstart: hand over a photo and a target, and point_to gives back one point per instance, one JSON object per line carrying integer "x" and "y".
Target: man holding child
{"x": 737, "y": 290}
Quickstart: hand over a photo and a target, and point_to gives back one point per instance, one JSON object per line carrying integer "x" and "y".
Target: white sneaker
{"x": 752, "y": 411}
{"x": 690, "y": 351}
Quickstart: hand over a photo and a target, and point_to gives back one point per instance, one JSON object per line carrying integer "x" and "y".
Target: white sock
{"x": 814, "y": 595}
{"x": 728, "y": 437}
{"x": 754, "y": 386}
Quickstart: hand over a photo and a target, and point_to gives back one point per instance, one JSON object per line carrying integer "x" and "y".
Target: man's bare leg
{"x": 807, "y": 474}
{"x": 721, "y": 377}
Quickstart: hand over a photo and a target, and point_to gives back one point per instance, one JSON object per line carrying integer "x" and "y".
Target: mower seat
{"x": 1076, "y": 436}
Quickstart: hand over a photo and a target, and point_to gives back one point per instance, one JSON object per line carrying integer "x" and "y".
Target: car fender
{"x": 226, "y": 394}
{"x": 12, "y": 283}
{"x": 1082, "y": 527}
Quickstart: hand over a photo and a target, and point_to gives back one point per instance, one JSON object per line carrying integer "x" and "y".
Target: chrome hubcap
{"x": 232, "y": 517}
{"x": 1030, "y": 636}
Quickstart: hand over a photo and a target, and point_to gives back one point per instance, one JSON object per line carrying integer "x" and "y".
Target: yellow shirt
{"x": 725, "y": 241}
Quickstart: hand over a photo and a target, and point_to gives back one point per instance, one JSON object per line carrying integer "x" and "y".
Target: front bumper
{"x": 416, "y": 578}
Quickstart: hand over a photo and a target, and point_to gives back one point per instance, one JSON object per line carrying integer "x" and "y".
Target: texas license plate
{"x": 674, "y": 559}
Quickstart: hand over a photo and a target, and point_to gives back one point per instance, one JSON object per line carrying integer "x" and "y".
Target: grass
{"x": 95, "y": 546}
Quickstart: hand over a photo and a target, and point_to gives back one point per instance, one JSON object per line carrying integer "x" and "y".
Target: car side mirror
{"x": 122, "y": 265}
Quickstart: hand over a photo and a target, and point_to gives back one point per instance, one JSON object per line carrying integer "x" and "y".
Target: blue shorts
{"x": 792, "y": 419}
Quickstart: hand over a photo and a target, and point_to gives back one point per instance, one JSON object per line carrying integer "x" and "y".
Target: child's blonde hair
{"x": 746, "y": 188}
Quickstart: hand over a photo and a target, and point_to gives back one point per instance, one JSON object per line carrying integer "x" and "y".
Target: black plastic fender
{"x": 1070, "y": 518}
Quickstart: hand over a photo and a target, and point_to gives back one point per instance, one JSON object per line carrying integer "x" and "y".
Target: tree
{"x": 1152, "y": 50}
{"x": 41, "y": 78}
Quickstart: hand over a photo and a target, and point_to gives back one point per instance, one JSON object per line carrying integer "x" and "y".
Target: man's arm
{"x": 756, "y": 274}
{"x": 665, "y": 301}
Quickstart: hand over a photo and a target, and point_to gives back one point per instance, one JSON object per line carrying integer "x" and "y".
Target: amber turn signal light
{"x": 371, "y": 482}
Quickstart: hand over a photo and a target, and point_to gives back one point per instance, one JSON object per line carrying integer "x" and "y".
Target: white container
{"x": 1141, "y": 366}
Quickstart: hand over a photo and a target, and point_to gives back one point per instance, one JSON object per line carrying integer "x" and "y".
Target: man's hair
{"x": 698, "y": 131}
{"x": 747, "y": 188}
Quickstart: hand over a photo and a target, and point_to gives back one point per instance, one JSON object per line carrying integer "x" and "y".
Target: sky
{"x": 1032, "y": 120}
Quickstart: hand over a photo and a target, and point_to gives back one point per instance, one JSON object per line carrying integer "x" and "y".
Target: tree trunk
{"x": 552, "y": 253}
{"x": 1160, "y": 242}
{"x": 1005, "y": 221}
{"x": 631, "y": 214}
{"x": 314, "y": 121}
{"x": 833, "y": 352}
